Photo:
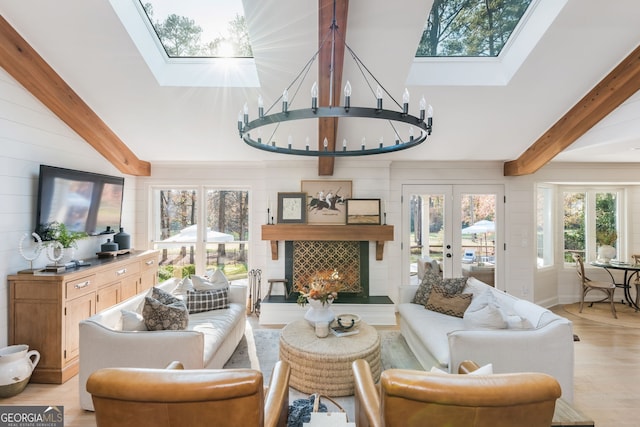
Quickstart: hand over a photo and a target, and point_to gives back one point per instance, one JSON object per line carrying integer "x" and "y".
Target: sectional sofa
{"x": 529, "y": 337}
{"x": 208, "y": 341}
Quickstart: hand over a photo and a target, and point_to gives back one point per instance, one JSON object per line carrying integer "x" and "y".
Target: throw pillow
{"x": 488, "y": 317}
{"x": 163, "y": 311}
{"x": 428, "y": 281}
{"x": 182, "y": 287}
{"x": 132, "y": 321}
{"x": 199, "y": 301}
{"x": 442, "y": 302}
{"x": 454, "y": 285}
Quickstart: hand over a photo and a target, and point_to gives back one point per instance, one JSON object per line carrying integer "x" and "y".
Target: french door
{"x": 458, "y": 225}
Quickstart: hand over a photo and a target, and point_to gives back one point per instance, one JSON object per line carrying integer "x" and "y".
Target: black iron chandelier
{"x": 423, "y": 122}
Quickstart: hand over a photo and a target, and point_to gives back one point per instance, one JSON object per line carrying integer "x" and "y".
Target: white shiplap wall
{"x": 30, "y": 135}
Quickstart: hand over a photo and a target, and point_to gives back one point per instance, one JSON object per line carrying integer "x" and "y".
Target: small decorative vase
{"x": 319, "y": 312}
{"x": 606, "y": 253}
{"x": 16, "y": 365}
{"x": 123, "y": 239}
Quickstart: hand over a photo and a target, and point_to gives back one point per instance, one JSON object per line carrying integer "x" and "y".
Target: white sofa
{"x": 208, "y": 341}
{"x": 443, "y": 341}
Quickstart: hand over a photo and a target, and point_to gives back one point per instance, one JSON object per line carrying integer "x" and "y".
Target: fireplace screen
{"x": 320, "y": 259}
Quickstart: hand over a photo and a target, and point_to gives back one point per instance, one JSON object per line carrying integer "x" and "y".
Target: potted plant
{"x": 53, "y": 232}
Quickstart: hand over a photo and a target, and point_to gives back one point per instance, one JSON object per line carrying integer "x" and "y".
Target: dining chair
{"x": 588, "y": 285}
{"x": 636, "y": 282}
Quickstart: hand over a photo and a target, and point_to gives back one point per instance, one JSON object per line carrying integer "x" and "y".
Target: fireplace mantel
{"x": 293, "y": 232}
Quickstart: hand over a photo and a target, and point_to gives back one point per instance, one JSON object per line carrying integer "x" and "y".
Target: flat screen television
{"x": 82, "y": 201}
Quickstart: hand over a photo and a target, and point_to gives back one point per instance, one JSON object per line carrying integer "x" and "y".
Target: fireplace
{"x": 305, "y": 260}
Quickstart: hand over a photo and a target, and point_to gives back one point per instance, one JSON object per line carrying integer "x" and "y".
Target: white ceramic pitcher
{"x": 16, "y": 365}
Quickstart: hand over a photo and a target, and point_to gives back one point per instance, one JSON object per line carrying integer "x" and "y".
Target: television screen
{"x": 82, "y": 201}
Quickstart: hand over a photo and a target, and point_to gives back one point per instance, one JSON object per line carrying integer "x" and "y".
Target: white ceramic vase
{"x": 319, "y": 312}
{"x": 16, "y": 365}
{"x": 606, "y": 253}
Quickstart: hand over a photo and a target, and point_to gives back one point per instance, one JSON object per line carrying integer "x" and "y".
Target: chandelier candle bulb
{"x": 285, "y": 101}
{"x": 429, "y": 118}
{"x": 379, "y": 98}
{"x": 314, "y": 96}
{"x": 325, "y": 144}
{"x": 423, "y": 106}
{"x": 363, "y": 143}
{"x": 344, "y": 144}
{"x": 405, "y": 101}
{"x": 290, "y": 141}
{"x": 307, "y": 141}
{"x": 246, "y": 113}
{"x": 411, "y": 133}
{"x": 347, "y": 95}
{"x": 260, "y": 106}
{"x": 381, "y": 142}
{"x": 240, "y": 121}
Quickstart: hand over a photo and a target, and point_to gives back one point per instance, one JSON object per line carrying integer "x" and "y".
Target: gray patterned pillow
{"x": 163, "y": 311}
{"x": 198, "y": 301}
{"x": 428, "y": 281}
{"x": 454, "y": 285}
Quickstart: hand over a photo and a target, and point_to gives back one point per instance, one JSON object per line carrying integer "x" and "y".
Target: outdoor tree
{"x": 470, "y": 27}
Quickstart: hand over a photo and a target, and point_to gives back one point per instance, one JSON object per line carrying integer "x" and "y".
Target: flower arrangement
{"x": 322, "y": 289}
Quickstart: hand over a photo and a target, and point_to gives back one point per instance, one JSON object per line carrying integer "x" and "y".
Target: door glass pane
{"x": 427, "y": 228}
{"x": 175, "y": 234}
{"x": 227, "y": 232}
{"x": 478, "y": 248}
{"x": 544, "y": 230}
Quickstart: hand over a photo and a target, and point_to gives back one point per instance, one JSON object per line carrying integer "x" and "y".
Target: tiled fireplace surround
{"x": 350, "y": 259}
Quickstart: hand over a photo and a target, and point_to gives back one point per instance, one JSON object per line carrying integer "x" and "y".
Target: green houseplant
{"x": 59, "y": 232}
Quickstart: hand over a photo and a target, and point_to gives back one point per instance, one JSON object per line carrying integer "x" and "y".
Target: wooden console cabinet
{"x": 46, "y": 308}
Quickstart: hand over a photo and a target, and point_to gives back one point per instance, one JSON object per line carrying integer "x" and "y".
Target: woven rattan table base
{"x": 323, "y": 365}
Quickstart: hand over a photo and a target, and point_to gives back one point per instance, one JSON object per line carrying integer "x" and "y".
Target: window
{"x": 470, "y": 28}
{"x": 186, "y": 248}
{"x": 592, "y": 219}
{"x": 544, "y": 227}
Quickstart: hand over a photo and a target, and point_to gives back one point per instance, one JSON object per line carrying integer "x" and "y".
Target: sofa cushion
{"x": 451, "y": 304}
{"x": 132, "y": 321}
{"x": 199, "y": 301}
{"x": 453, "y": 285}
{"x": 488, "y": 317}
{"x": 536, "y": 315}
{"x": 163, "y": 311}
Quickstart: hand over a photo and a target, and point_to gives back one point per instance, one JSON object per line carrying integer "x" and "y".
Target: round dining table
{"x": 630, "y": 271}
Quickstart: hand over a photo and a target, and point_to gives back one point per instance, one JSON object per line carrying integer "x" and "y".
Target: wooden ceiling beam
{"x": 605, "y": 97}
{"x": 328, "y": 126}
{"x": 25, "y": 65}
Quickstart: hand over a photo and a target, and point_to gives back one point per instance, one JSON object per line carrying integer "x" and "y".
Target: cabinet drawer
{"x": 119, "y": 272}
{"x": 148, "y": 264}
{"x": 81, "y": 286}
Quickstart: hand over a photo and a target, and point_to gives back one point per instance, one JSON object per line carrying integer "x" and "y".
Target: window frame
{"x": 591, "y": 250}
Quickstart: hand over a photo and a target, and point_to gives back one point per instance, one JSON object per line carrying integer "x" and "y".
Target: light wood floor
{"x": 607, "y": 385}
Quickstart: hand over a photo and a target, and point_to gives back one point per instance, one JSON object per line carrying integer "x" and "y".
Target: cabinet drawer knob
{"x": 121, "y": 272}
{"x": 82, "y": 284}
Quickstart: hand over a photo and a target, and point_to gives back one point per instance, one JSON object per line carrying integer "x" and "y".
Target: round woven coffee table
{"x": 323, "y": 365}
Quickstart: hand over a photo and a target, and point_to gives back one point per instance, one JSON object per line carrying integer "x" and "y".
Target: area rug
{"x": 601, "y": 313}
{"x": 259, "y": 349}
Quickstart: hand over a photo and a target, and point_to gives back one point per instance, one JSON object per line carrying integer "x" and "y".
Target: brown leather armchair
{"x": 418, "y": 398}
{"x": 199, "y": 397}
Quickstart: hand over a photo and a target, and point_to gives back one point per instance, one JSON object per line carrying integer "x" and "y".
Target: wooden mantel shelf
{"x": 292, "y": 232}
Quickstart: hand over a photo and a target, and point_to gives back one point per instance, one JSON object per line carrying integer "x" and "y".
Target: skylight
{"x": 488, "y": 70}
{"x": 470, "y": 27}
{"x": 196, "y": 28}
{"x": 195, "y": 64}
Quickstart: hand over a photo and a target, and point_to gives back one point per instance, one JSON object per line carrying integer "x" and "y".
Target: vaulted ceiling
{"x": 565, "y": 84}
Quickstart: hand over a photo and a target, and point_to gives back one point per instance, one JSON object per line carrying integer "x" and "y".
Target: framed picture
{"x": 363, "y": 211}
{"x": 292, "y": 208}
{"x": 326, "y": 201}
